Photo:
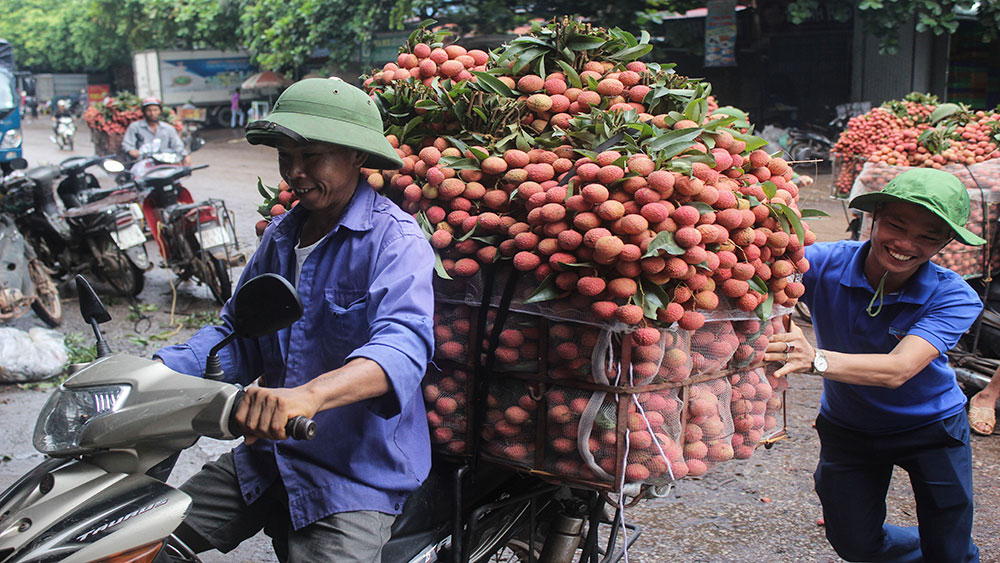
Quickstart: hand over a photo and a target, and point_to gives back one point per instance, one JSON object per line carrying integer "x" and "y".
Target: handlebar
{"x": 199, "y": 167}
{"x": 298, "y": 428}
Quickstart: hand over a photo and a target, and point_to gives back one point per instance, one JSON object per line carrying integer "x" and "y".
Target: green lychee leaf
{"x": 631, "y": 53}
{"x": 264, "y": 210}
{"x": 770, "y": 188}
{"x": 425, "y": 224}
{"x": 546, "y": 291}
{"x": 493, "y": 84}
{"x": 571, "y": 74}
{"x": 584, "y": 42}
{"x": 439, "y": 267}
{"x": 459, "y": 163}
{"x": 793, "y": 221}
{"x": 757, "y": 284}
{"x": 807, "y": 213}
{"x": 664, "y": 241}
{"x": 764, "y": 309}
{"x": 260, "y": 188}
{"x": 702, "y": 207}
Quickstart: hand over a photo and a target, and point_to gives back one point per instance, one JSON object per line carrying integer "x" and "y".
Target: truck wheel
{"x": 223, "y": 117}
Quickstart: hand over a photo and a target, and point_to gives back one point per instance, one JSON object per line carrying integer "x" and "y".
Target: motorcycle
{"x": 112, "y": 431}
{"x": 65, "y": 130}
{"x": 195, "y": 240}
{"x": 101, "y": 236}
{"x": 112, "y": 425}
{"x": 25, "y": 283}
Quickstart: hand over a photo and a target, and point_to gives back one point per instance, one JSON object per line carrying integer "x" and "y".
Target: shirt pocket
{"x": 344, "y": 323}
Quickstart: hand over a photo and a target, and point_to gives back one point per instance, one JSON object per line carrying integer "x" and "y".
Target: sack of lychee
{"x": 602, "y": 405}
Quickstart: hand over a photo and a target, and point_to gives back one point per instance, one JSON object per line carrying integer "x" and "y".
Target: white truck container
{"x": 204, "y": 78}
{"x": 53, "y": 86}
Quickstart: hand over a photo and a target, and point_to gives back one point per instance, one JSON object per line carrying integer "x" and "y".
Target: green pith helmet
{"x": 935, "y": 190}
{"x": 327, "y": 110}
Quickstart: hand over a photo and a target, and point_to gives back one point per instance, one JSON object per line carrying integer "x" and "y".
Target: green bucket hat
{"x": 937, "y": 191}
{"x": 327, "y": 110}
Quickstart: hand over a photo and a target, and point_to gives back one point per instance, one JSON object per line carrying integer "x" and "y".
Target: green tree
{"x": 882, "y": 18}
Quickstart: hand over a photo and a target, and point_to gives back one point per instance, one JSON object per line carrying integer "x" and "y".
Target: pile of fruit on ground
{"x": 915, "y": 131}
{"x": 649, "y": 243}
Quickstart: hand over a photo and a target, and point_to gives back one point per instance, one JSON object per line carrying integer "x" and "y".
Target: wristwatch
{"x": 820, "y": 364}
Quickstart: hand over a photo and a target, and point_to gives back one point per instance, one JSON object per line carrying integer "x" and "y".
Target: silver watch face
{"x": 819, "y": 362}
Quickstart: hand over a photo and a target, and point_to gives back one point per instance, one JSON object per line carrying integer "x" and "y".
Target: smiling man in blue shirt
{"x": 353, "y": 362}
{"x": 885, "y": 318}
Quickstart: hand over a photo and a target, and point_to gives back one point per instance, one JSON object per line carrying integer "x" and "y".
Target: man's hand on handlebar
{"x": 187, "y": 160}
{"x": 134, "y": 153}
{"x": 264, "y": 411}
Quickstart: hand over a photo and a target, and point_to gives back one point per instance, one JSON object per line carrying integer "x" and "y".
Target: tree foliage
{"x": 77, "y": 35}
{"x": 883, "y": 18}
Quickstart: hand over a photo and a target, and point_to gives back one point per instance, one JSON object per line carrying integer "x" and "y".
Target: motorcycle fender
{"x": 85, "y": 513}
{"x": 137, "y": 254}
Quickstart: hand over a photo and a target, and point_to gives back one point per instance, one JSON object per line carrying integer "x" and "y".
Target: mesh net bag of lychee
{"x": 982, "y": 180}
{"x": 602, "y": 404}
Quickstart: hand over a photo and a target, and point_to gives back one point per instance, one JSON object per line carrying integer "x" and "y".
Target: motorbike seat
{"x": 43, "y": 174}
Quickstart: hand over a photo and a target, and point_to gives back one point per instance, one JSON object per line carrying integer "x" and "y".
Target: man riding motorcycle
{"x": 150, "y": 135}
{"x": 353, "y": 362}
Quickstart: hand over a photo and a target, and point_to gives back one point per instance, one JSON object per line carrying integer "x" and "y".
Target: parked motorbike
{"x": 65, "y": 130}
{"x": 195, "y": 240}
{"x": 101, "y": 236}
{"x": 120, "y": 420}
{"x": 106, "y": 427}
{"x": 25, "y": 283}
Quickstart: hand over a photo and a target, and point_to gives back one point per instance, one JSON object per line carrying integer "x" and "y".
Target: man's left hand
{"x": 264, "y": 411}
{"x": 791, "y": 349}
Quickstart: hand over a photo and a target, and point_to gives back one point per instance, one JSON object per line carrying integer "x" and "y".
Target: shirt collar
{"x": 357, "y": 215}
{"x": 917, "y": 289}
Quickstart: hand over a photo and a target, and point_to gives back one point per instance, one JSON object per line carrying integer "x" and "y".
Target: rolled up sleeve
{"x": 401, "y": 319}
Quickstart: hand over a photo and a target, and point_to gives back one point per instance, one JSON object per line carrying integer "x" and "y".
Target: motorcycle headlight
{"x": 168, "y": 157}
{"x": 11, "y": 139}
{"x": 68, "y": 412}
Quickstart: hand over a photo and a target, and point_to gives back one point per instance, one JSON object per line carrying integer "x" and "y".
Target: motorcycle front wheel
{"x": 48, "y": 306}
{"x": 215, "y": 274}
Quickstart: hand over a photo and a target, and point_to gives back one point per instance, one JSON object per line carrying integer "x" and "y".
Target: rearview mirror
{"x": 18, "y": 164}
{"x": 265, "y": 304}
{"x": 261, "y": 306}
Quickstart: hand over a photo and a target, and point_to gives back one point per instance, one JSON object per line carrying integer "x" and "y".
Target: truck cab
{"x": 10, "y": 116}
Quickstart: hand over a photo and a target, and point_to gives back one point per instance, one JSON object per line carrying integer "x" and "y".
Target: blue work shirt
{"x": 139, "y": 136}
{"x": 366, "y": 290}
{"x": 935, "y": 304}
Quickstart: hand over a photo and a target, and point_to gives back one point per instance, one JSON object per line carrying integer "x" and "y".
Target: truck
{"x": 203, "y": 78}
{"x": 52, "y": 87}
{"x": 10, "y": 114}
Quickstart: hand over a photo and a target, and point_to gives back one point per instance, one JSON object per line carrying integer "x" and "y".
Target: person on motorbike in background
{"x": 150, "y": 135}
{"x": 353, "y": 362}
{"x": 885, "y": 318}
{"x": 62, "y": 110}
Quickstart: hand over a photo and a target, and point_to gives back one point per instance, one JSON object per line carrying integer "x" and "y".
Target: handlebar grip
{"x": 298, "y": 428}
{"x": 301, "y": 428}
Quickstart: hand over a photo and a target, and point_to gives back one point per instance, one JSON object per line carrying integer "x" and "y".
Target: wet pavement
{"x": 762, "y": 509}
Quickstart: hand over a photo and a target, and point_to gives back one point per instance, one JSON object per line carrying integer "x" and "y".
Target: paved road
{"x": 760, "y": 510}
